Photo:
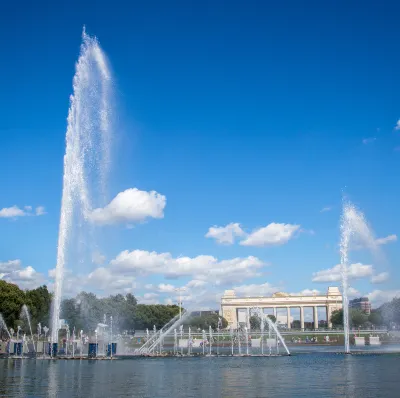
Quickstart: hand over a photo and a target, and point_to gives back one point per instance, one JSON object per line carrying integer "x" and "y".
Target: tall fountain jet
{"x": 86, "y": 162}
{"x": 355, "y": 233}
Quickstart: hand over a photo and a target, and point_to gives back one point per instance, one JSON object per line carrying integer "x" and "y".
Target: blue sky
{"x": 247, "y": 113}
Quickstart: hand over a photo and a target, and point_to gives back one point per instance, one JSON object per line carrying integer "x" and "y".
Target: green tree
{"x": 255, "y": 322}
{"x": 296, "y": 324}
{"x": 357, "y": 317}
{"x": 158, "y": 315}
{"x": 376, "y": 318}
{"x": 70, "y": 311}
{"x": 391, "y": 311}
{"x": 337, "y": 318}
{"x": 272, "y": 317}
{"x": 205, "y": 321}
{"x": 12, "y": 298}
{"x": 39, "y": 304}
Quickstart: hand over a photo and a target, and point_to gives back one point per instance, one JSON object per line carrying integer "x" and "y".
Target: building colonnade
{"x": 237, "y": 310}
{"x": 315, "y": 318}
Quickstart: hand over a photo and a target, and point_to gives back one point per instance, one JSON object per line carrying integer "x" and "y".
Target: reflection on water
{"x": 302, "y": 375}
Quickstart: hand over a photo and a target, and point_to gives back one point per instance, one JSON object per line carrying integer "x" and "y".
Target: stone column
{"x": 248, "y": 317}
{"x": 288, "y": 318}
{"x": 315, "y": 317}
{"x": 302, "y": 318}
{"x": 275, "y": 314}
{"x": 328, "y": 316}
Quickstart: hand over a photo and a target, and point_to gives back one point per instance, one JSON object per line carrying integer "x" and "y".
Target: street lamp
{"x": 180, "y": 289}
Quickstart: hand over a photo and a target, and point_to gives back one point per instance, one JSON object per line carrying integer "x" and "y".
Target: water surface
{"x": 301, "y": 375}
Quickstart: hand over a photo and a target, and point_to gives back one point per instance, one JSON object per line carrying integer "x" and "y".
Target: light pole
{"x": 180, "y": 289}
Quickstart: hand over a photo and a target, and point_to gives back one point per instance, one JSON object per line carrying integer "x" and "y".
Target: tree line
{"x": 86, "y": 310}
{"x": 83, "y": 312}
{"x": 12, "y": 298}
{"x": 386, "y": 315}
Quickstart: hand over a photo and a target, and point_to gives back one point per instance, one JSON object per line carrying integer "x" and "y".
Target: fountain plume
{"x": 354, "y": 233}
{"x": 86, "y": 159}
{"x": 25, "y": 315}
{"x": 3, "y": 325}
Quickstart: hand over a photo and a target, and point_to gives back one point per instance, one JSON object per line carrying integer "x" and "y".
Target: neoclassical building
{"x": 237, "y": 310}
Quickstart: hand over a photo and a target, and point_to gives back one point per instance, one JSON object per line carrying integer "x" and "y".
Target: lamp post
{"x": 180, "y": 289}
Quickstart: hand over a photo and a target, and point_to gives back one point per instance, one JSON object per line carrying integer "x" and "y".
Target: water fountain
{"x": 175, "y": 341}
{"x": 262, "y": 327}
{"x": 86, "y": 160}
{"x": 271, "y": 326}
{"x": 189, "y": 339}
{"x": 111, "y": 336}
{"x": 211, "y": 336}
{"x": 355, "y": 230}
{"x": 73, "y": 343}
{"x": 239, "y": 342}
{"x": 246, "y": 333}
{"x": 204, "y": 336}
{"x": 231, "y": 336}
{"x": 4, "y": 326}
{"x": 181, "y": 333}
{"x": 25, "y": 315}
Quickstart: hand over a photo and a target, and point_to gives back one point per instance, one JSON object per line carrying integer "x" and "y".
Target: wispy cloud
{"x": 325, "y": 209}
{"x": 369, "y": 140}
{"x": 397, "y": 127}
{"x": 15, "y": 212}
{"x": 387, "y": 239}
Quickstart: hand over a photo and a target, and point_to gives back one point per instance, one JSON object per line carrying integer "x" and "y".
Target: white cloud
{"x": 131, "y": 206}
{"x": 369, "y": 140}
{"x": 12, "y": 212}
{"x": 397, "y": 127}
{"x": 272, "y": 234}
{"x": 25, "y": 278}
{"x": 254, "y": 290}
{"x": 98, "y": 258}
{"x": 225, "y": 235}
{"x": 355, "y": 271}
{"x": 15, "y": 211}
{"x": 40, "y": 211}
{"x": 380, "y": 278}
{"x": 52, "y": 273}
{"x": 379, "y": 297}
{"x": 201, "y": 267}
{"x": 307, "y": 292}
{"x": 161, "y": 288}
{"x": 106, "y": 280}
{"x": 371, "y": 243}
{"x": 325, "y": 209}
{"x": 9, "y": 266}
{"x": 387, "y": 239}
{"x": 195, "y": 283}
{"x": 352, "y": 292}
{"x": 148, "y": 298}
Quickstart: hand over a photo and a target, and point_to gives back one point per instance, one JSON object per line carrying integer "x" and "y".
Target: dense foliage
{"x": 12, "y": 298}
{"x": 83, "y": 312}
{"x": 385, "y": 315}
{"x": 87, "y": 310}
{"x": 255, "y": 322}
{"x": 149, "y": 315}
{"x": 205, "y": 321}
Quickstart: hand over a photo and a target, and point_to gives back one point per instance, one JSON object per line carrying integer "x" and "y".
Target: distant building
{"x": 362, "y": 304}
{"x": 237, "y": 310}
